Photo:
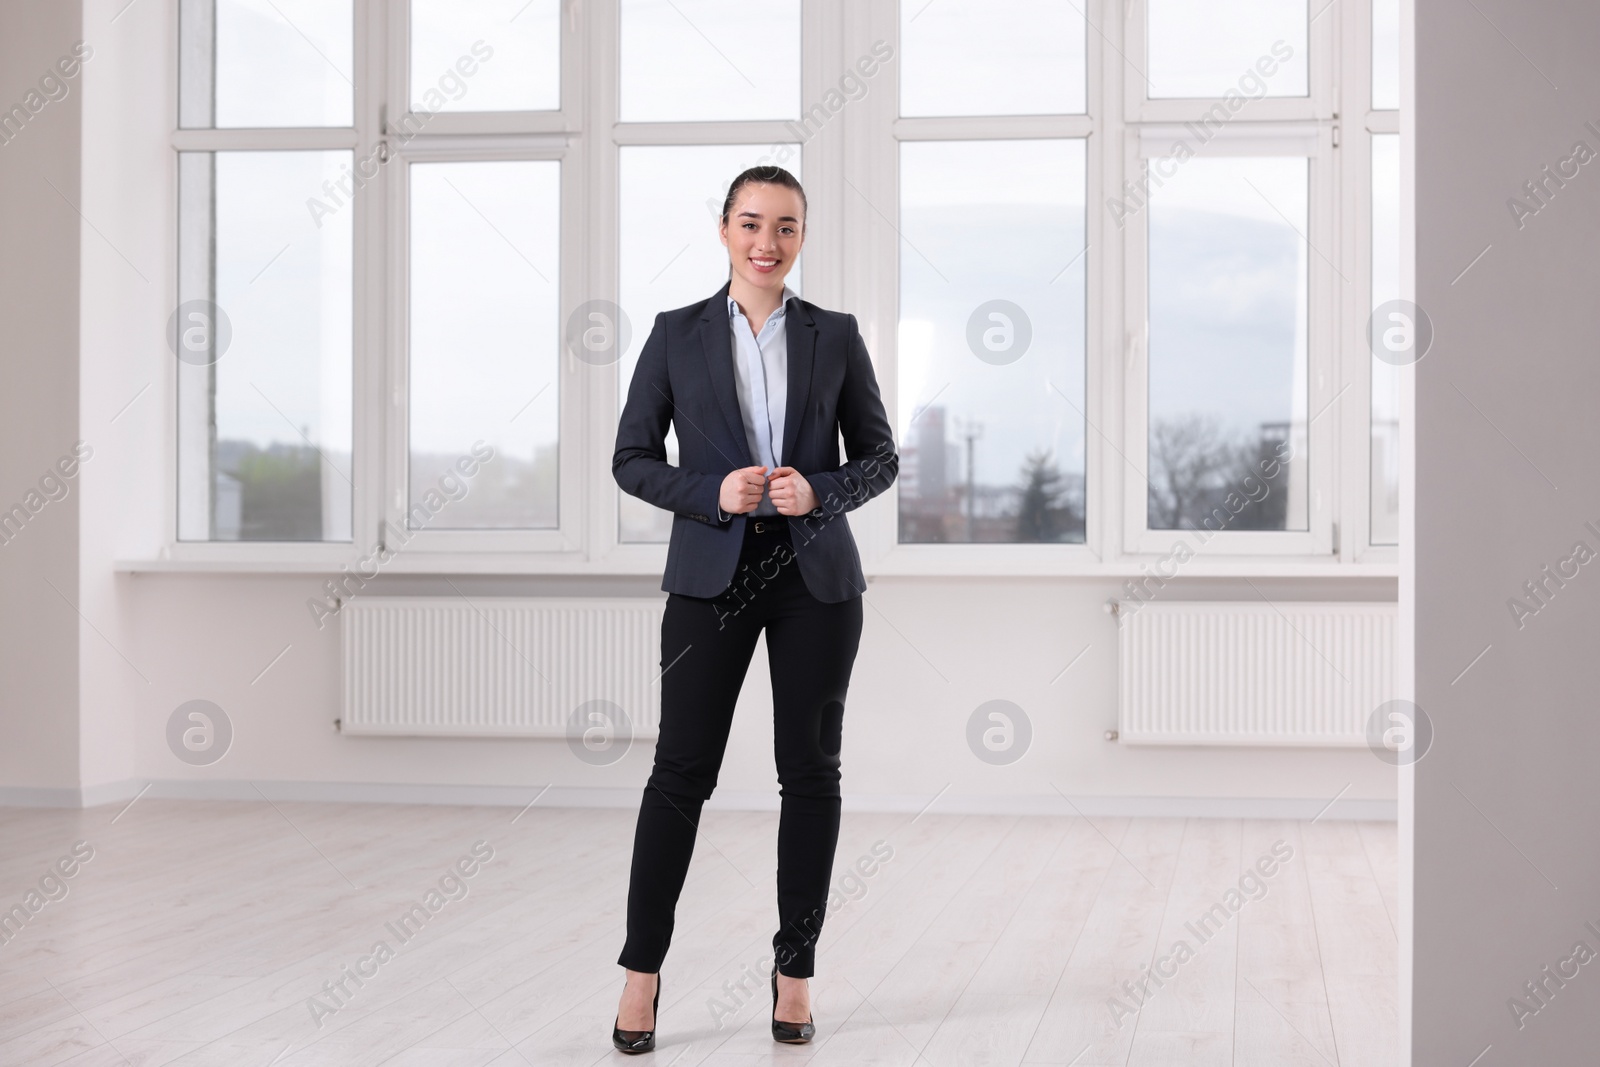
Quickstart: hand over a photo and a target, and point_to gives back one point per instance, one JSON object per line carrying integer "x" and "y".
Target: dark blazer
{"x": 685, "y": 376}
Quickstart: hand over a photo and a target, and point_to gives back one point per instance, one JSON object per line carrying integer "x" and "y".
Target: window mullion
{"x": 369, "y": 362}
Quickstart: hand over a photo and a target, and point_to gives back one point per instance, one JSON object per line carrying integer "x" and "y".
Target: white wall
{"x": 39, "y": 421}
{"x": 933, "y": 649}
{"x": 1506, "y": 870}
{"x": 127, "y": 286}
{"x": 931, "y": 652}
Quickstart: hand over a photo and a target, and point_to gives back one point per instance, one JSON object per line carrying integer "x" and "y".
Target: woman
{"x": 759, "y": 385}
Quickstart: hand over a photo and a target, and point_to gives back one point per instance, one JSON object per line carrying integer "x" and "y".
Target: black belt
{"x": 767, "y": 524}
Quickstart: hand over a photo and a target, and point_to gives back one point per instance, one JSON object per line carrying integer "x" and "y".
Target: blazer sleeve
{"x": 871, "y": 460}
{"x": 639, "y": 463}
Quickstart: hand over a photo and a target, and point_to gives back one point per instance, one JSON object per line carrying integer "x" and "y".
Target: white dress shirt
{"x": 761, "y": 375}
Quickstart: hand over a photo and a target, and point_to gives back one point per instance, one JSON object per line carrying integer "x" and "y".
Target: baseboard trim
{"x": 558, "y": 796}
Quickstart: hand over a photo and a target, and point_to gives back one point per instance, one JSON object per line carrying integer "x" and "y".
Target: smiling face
{"x": 763, "y": 233}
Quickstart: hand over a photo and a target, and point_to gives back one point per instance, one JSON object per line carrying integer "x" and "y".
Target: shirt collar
{"x": 783, "y": 305}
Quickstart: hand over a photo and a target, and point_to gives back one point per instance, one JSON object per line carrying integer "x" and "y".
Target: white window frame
{"x": 850, "y": 171}
{"x": 872, "y": 217}
{"x": 1316, "y": 453}
{"x": 1356, "y": 419}
{"x": 1272, "y": 126}
{"x": 1358, "y": 416}
{"x": 1321, "y": 75}
{"x": 481, "y": 137}
{"x": 288, "y": 555}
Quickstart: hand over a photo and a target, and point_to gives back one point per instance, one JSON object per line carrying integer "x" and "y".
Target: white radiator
{"x": 1252, "y": 673}
{"x": 498, "y": 666}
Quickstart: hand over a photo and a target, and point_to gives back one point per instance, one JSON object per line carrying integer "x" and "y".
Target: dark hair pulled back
{"x": 768, "y": 174}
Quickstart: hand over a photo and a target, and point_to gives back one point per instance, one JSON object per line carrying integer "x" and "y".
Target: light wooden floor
{"x": 198, "y": 931}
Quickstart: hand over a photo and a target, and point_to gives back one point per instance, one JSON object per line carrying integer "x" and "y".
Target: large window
{"x": 263, "y": 329}
{"x": 992, "y": 261}
{"x": 1234, "y": 268}
{"x": 991, "y": 340}
{"x": 1112, "y": 261}
{"x": 1228, "y": 288}
{"x": 484, "y": 337}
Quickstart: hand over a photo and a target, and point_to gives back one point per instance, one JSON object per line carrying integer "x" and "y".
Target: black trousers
{"x": 706, "y": 645}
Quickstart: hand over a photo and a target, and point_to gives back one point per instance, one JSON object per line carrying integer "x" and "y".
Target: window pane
{"x": 1385, "y": 470}
{"x": 1004, "y": 57}
{"x": 1385, "y": 54}
{"x": 1227, "y": 293}
{"x": 1208, "y": 48}
{"x": 491, "y": 55}
{"x": 691, "y": 60}
{"x": 259, "y": 63}
{"x": 991, "y": 341}
{"x": 671, "y": 202}
{"x": 262, "y": 335}
{"x": 485, "y": 255}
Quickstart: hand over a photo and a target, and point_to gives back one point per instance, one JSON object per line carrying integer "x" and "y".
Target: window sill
{"x": 1136, "y": 568}
{"x": 638, "y": 560}
{"x": 443, "y": 563}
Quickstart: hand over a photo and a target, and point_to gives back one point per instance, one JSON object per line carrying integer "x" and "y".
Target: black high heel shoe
{"x": 641, "y": 1040}
{"x": 788, "y": 1033}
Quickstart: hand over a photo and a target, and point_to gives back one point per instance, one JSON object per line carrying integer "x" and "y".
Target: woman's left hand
{"x": 790, "y": 493}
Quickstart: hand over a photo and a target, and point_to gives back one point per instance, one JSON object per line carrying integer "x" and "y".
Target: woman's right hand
{"x": 742, "y": 489}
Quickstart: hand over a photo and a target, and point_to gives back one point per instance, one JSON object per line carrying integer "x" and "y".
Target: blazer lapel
{"x": 717, "y": 343}
{"x": 800, "y": 335}
{"x": 800, "y": 332}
